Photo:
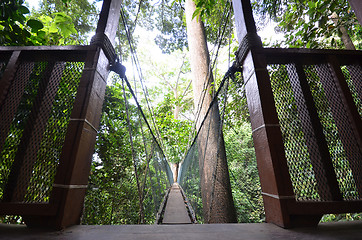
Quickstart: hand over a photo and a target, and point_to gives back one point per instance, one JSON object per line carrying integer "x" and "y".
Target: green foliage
{"x": 11, "y": 219}
{"x": 203, "y": 8}
{"x": 169, "y": 20}
{"x": 171, "y": 24}
{"x": 341, "y": 217}
{"x": 241, "y": 157}
{"x": 112, "y": 193}
{"x": 57, "y": 30}
{"x": 18, "y": 29}
{"x": 244, "y": 176}
{"x": 173, "y": 96}
{"x": 15, "y": 29}
{"x": 62, "y": 23}
{"x": 73, "y": 20}
{"x": 174, "y": 132}
{"x": 310, "y": 24}
{"x": 113, "y": 196}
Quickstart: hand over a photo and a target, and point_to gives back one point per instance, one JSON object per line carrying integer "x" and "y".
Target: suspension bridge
{"x": 51, "y": 102}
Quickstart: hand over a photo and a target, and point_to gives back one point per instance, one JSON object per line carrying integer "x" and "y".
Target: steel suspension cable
{"x": 143, "y": 186}
{"x": 136, "y": 62}
{"x": 141, "y": 214}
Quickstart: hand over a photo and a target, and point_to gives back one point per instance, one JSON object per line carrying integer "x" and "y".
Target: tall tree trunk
{"x": 218, "y": 205}
{"x": 344, "y": 37}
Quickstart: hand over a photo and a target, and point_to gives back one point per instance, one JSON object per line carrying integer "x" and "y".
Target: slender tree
{"x": 218, "y": 205}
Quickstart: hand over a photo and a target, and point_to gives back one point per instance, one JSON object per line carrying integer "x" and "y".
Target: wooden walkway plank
{"x": 350, "y": 230}
{"x": 175, "y": 210}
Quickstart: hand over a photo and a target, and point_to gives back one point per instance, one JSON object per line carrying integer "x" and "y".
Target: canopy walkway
{"x": 301, "y": 103}
{"x": 176, "y": 210}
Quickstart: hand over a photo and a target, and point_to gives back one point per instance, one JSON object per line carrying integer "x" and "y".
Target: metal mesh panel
{"x": 47, "y": 157}
{"x": 189, "y": 179}
{"x": 332, "y": 133}
{"x": 126, "y": 166}
{"x": 200, "y": 166}
{"x": 298, "y": 134}
{"x": 297, "y": 154}
{"x": 45, "y": 93}
{"x": 230, "y": 131}
{"x": 12, "y": 127}
{"x": 353, "y": 76}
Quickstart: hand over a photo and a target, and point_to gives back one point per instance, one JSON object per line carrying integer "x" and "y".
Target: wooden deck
{"x": 175, "y": 210}
{"x": 259, "y": 231}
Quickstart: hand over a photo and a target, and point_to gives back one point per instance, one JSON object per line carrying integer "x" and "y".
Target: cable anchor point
{"x": 118, "y": 68}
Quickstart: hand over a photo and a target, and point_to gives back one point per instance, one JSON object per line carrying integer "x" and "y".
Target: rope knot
{"x": 232, "y": 70}
{"x": 118, "y": 68}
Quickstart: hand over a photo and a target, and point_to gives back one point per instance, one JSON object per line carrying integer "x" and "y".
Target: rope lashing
{"x": 250, "y": 41}
{"x": 101, "y": 40}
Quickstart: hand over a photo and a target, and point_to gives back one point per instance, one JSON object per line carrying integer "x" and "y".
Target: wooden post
{"x": 357, "y": 8}
{"x": 272, "y": 165}
{"x": 72, "y": 175}
{"x": 8, "y": 75}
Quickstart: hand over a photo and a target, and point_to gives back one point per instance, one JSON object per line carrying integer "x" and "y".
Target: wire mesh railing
{"x": 321, "y": 139}
{"x": 308, "y": 174}
{"x": 317, "y": 98}
{"x": 131, "y": 162}
{"x": 311, "y": 125}
{"x": 39, "y": 90}
{"x": 35, "y": 112}
{"x": 232, "y": 135}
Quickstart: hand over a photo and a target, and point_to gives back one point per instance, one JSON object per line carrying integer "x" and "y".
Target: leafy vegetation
{"x": 313, "y": 24}
{"x": 63, "y": 23}
{"x": 15, "y": 28}
{"x": 112, "y": 194}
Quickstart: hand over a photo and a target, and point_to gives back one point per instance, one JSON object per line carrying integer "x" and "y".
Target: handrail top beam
{"x": 49, "y": 48}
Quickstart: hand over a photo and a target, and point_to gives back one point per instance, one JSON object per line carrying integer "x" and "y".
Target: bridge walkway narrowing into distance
{"x": 175, "y": 209}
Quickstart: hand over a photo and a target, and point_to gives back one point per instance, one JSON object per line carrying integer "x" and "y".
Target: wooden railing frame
{"x": 280, "y": 204}
{"x": 67, "y": 197}
{"x": 44, "y": 213}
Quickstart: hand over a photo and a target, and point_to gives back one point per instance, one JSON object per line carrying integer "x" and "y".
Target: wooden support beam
{"x": 72, "y": 176}
{"x": 272, "y": 165}
{"x": 280, "y": 204}
{"x": 8, "y": 75}
{"x": 357, "y": 8}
